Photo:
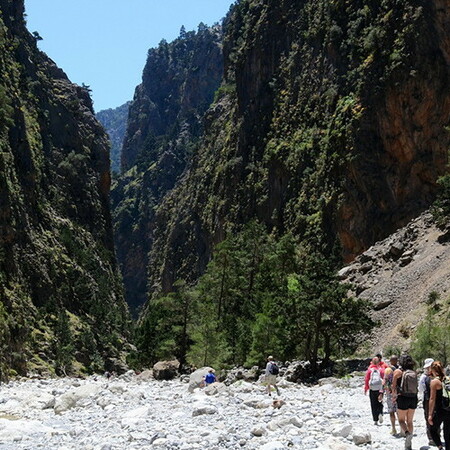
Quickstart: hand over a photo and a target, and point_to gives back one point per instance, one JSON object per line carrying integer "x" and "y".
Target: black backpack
{"x": 446, "y": 394}
{"x": 273, "y": 369}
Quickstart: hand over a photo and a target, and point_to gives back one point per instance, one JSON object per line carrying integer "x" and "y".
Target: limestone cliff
{"x": 164, "y": 124}
{"x": 61, "y": 304}
{"x": 331, "y": 122}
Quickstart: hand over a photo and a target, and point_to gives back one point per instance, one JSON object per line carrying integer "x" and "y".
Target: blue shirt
{"x": 210, "y": 378}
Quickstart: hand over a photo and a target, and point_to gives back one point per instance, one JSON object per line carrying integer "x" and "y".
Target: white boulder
{"x": 342, "y": 430}
{"x": 361, "y": 437}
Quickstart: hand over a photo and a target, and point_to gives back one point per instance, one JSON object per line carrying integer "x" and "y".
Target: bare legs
{"x": 269, "y": 390}
{"x": 393, "y": 420}
{"x": 405, "y": 419}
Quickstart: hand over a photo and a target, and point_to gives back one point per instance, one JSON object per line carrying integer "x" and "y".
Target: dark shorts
{"x": 404, "y": 403}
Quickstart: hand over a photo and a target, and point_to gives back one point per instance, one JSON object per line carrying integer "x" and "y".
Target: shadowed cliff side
{"x": 62, "y": 307}
{"x": 164, "y": 126}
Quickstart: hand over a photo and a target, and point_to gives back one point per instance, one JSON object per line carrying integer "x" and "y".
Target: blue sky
{"x": 104, "y": 43}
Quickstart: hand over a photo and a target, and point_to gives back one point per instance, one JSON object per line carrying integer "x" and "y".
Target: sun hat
{"x": 428, "y": 362}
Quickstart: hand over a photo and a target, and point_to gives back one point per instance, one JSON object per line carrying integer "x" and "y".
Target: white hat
{"x": 428, "y": 363}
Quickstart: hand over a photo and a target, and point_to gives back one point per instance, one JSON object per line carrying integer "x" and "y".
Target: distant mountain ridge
{"x": 114, "y": 120}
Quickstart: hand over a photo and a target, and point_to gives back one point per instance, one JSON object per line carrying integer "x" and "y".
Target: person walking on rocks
{"x": 388, "y": 378}
{"x": 271, "y": 375}
{"x": 439, "y": 406}
{"x": 404, "y": 393}
{"x": 373, "y": 383}
{"x": 424, "y": 388}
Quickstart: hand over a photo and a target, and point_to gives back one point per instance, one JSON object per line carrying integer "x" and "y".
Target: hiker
{"x": 404, "y": 393}
{"x": 373, "y": 382}
{"x": 388, "y": 378}
{"x": 382, "y": 363}
{"x": 424, "y": 388}
{"x": 271, "y": 375}
{"x": 439, "y": 407}
{"x": 210, "y": 377}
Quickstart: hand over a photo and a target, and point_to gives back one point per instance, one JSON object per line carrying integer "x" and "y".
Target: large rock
{"x": 240, "y": 373}
{"x": 70, "y": 399}
{"x": 346, "y": 366}
{"x": 215, "y": 388}
{"x": 259, "y": 430}
{"x": 196, "y": 378}
{"x": 204, "y": 410}
{"x": 135, "y": 416}
{"x": 361, "y": 437}
{"x": 300, "y": 371}
{"x": 145, "y": 375}
{"x": 342, "y": 430}
{"x": 116, "y": 365}
{"x": 166, "y": 370}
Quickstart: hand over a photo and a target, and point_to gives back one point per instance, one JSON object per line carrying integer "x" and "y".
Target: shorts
{"x": 271, "y": 379}
{"x": 404, "y": 403}
{"x": 391, "y": 406}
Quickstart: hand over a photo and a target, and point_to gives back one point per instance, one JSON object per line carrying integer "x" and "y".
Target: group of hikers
{"x": 397, "y": 383}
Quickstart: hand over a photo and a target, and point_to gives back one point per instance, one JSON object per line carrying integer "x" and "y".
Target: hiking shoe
{"x": 408, "y": 441}
{"x": 393, "y": 432}
{"x": 380, "y": 418}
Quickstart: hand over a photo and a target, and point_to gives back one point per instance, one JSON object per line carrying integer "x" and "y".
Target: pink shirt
{"x": 380, "y": 368}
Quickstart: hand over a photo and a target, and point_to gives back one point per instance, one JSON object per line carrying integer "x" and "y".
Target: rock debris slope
{"x": 132, "y": 414}
{"x": 398, "y": 274}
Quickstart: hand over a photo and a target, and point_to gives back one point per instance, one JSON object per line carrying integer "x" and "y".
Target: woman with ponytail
{"x": 437, "y": 414}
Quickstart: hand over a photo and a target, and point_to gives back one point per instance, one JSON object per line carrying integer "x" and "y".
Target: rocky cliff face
{"x": 332, "y": 122}
{"x": 61, "y": 302}
{"x": 164, "y": 124}
{"x": 115, "y": 123}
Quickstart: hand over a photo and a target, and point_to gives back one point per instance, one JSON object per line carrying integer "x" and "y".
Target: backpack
{"x": 426, "y": 392}
{"x": 446, "y": 394}
{"x": 273, "y": 369}
{"x": 375, "y": 382}
{"x": 408, "y": 385}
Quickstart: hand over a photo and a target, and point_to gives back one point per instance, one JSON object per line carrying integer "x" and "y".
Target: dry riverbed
{"x": 133, "y": 413}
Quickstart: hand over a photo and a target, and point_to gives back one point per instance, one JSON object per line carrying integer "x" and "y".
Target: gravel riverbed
{"x": 133, "y": 413}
